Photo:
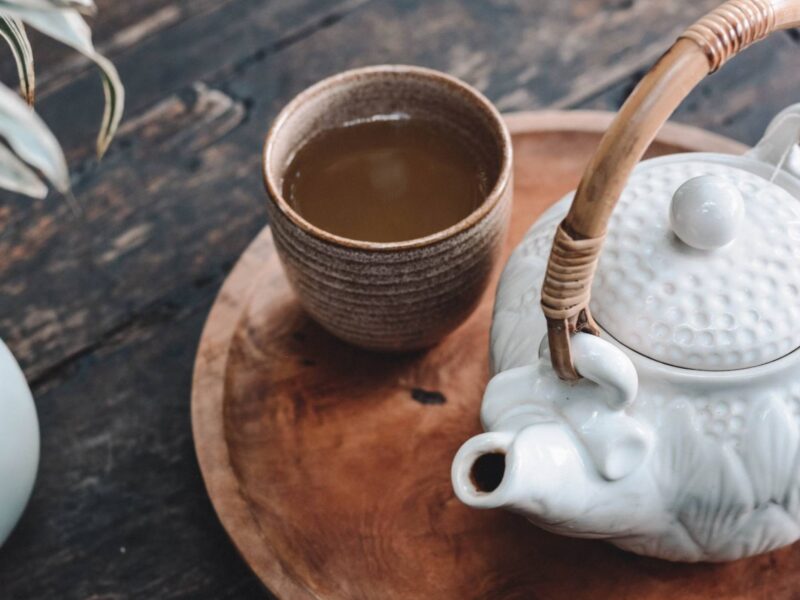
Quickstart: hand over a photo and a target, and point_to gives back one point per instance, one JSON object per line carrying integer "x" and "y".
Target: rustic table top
{"x": 104, "y": 306}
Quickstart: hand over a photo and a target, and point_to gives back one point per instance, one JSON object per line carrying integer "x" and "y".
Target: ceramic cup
{"x": 393, "y": 296}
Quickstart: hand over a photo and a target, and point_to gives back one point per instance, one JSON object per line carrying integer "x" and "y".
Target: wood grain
{"x": 165, "y": 211}
{"x": 105, "y": 307}
{"x": 732, "y": 101}
{"x": 330, "y": 471}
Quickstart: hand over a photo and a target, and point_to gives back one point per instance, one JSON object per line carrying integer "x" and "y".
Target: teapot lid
{"x": 701, "y": 265}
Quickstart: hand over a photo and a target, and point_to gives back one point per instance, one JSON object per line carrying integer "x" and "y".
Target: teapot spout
{"x": 545, "y": 473}
{"x": 533, "y": 471}
{"x": 480, "y": 470}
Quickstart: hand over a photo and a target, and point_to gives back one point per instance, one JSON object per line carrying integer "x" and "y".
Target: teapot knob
{"x": 706, "y": 212}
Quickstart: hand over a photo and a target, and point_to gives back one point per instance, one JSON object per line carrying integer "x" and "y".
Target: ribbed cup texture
{"x": 402, "y": 296}
{"x": 401, "y": 299}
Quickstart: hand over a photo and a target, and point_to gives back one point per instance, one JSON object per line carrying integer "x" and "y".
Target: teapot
{"x": 654, "y": 399}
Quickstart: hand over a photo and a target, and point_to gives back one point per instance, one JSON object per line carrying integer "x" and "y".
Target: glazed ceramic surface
{"x": 391, "y": 296}
{"x": 682, "y": 440}
{"x": 19, "y": 442}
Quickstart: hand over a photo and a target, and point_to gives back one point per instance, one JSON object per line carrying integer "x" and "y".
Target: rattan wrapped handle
{"x": 700, "y": 50}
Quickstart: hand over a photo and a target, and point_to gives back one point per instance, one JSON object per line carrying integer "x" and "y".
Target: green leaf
{"x": 68, "y": 27}
{"x": 14, "y": 33}
{"x": 31, "y": 140}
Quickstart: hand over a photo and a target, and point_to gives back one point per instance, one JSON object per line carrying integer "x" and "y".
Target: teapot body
{"x": 646, "y": 334}
{"x": 697, "y": 465}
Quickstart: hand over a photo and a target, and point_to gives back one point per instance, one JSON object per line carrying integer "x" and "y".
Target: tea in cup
{"x": 389, "y": 197}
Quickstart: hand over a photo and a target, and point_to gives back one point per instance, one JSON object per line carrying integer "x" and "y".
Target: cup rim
{"x": 491, "y": 199}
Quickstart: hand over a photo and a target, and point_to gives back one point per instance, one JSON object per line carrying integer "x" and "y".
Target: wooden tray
{"x": 330, "y": 467}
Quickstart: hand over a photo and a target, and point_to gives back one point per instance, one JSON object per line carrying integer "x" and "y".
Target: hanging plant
{"x": 29, "y": 152}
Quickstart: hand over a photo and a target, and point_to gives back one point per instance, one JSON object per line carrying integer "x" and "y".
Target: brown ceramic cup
{"x": 393, "y": 296}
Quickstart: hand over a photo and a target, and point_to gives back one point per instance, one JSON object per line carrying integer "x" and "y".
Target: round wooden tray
{"x": 330, "y": 466}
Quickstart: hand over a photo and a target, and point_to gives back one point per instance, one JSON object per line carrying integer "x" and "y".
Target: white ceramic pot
{"x": 652, "y": 398}
{"x": 19, "y": 442}
{"x": 682, "y": 439}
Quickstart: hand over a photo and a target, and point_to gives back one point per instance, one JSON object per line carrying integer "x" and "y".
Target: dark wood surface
{"x": 104, "y": 307}
{"x": 329, "y": 466}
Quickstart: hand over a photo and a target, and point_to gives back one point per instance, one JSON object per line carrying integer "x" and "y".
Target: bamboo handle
{"x": 700, "y": 50}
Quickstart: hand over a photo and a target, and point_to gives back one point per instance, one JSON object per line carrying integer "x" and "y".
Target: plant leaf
{"x": 14, "y": 33}
{"x": 64, "y": 25}
{"x": 86, "y": 7}
{"x": 18, "y": 177}
{"x": 68, "y": 27}
{"x": 31, "y": 140}
{"x": 114, "y": 105}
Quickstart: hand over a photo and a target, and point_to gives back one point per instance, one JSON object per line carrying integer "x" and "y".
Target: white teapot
{"x": 670, "y": 426}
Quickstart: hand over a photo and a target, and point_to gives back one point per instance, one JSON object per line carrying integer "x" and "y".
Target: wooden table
{"x": 104, "y": 306}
